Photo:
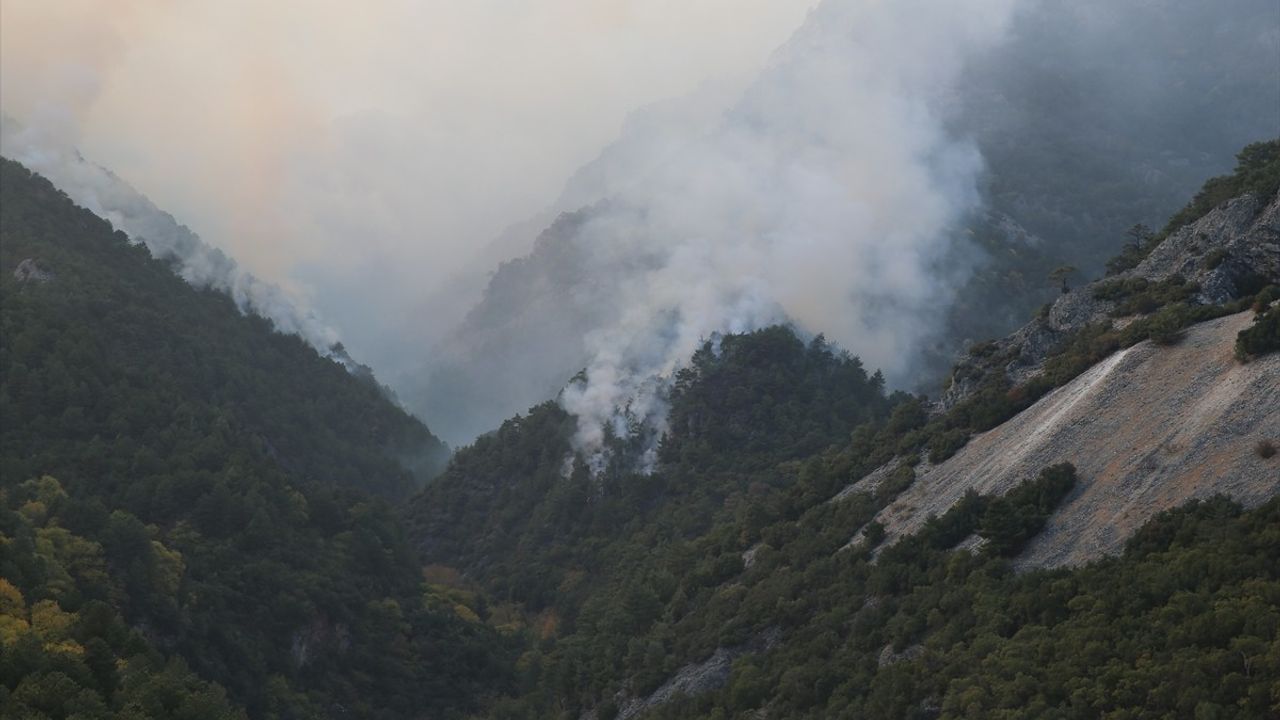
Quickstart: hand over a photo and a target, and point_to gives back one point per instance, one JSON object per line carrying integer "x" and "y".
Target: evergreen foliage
{"x": 1137, "y": 296}
{"x": 1260, "y": 338}
{"x": 1257, "y": 173}
{"x": 765, "y": 396}
{"x": 65, "y": 649}
{"x": 1183, "y": 624}
{"x": 520, "y": 513}
{"x": 218, "y": 542}
{"x": 220, "y": 515}
{"x": 1008, "y": 522}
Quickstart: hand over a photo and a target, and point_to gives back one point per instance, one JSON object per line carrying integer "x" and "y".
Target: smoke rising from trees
{"x": 380, "y": 165}
{"x": 824, "y": 197}
{"x": 363, "y": 153}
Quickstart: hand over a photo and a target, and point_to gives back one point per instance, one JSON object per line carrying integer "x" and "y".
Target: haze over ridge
{"x": 833, "y": 192}
{"x": 361, "y": 158}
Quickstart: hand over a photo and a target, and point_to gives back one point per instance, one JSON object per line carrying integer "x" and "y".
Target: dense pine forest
{"x": 197, "y": 517}
{"x": 204, "y": 518}
{"x": 617, "y": 360}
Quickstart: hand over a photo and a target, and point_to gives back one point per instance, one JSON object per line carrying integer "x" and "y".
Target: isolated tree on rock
{"x": 1139, "y": 234}
{"x": 1060, "y": 275}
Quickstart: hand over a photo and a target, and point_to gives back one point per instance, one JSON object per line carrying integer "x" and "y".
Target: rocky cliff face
{"x": 1148, "y": 429}
{"x": 692, "y": 679}
{"x": 1223, "y": 252}
{"x": 1234, "y": 247}
{"x": 30, "y": 271}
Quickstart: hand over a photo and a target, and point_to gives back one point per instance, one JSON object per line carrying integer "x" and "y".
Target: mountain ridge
{"x": 195, "y": 508}
{"x": 202, "y": 265}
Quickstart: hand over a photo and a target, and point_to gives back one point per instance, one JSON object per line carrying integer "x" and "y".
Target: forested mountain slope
{"x": 520, "y": 511}
{"x": 108, "y": 196}
{"x": 194, "y": 503}
{"x": 109, "y": 318}
{"x": 725, "y": 582}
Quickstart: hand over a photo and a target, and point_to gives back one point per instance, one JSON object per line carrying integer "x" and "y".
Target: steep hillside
{"x": 108, "y": 311}
{"x": 97, "y": 189}
{"x": 764, "y": 608}
{"x": 1149, "y": 425}
{"x": 519, "y": 513}
{"x": 529, "y": 301}
{"x": 193, "y": 517}
{"x": 1148, "y": 429}
{"x": 1022, "y": 549}
{"x": 1223, "y": 245}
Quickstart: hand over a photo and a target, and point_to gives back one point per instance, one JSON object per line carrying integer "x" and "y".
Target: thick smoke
{"x": 830, "y": 194}
{"x": 369, "y": 153}
{"x": 365, "y": 151}
{"x": 107, "y": 196}
{"x": 823, "y": 198}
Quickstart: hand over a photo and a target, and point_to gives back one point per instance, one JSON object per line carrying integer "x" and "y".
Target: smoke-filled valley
{"x": 611, "y": 360}
{"x": 917, "y": 210}
{"x": 883, "y": 214}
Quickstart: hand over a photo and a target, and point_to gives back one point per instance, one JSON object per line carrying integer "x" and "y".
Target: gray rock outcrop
{"x": 1149, "y": 428}
{"x": 697, "y": 678}
{"x": 29, "y": 270}
{"x": 1232, "y": 247}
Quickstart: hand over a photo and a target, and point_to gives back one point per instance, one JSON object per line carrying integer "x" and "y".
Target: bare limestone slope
{"x": 1149, "y": 428}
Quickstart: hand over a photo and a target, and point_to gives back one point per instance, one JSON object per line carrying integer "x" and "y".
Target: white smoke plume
{"x": 824, "y": 197}
{"x": 1090, "y": 115}
{"x": 365, "y": 151}
{"x": 107, "y": 196}
{"x": 369, "y": 154}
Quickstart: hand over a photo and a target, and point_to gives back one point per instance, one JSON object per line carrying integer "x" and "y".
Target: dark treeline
{"x": 195, "y": 516}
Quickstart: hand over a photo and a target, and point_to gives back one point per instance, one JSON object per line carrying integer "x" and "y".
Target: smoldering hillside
{"x": 900, "y": 178}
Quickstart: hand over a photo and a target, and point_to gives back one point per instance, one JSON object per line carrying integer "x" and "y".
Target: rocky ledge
{"x": 1224, "y": 254}
{"x": 1149, "y": 428}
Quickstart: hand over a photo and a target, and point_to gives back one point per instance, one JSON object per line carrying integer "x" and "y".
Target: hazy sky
{"x": 362, "y": 145}
{"x": 806, "y": 165}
